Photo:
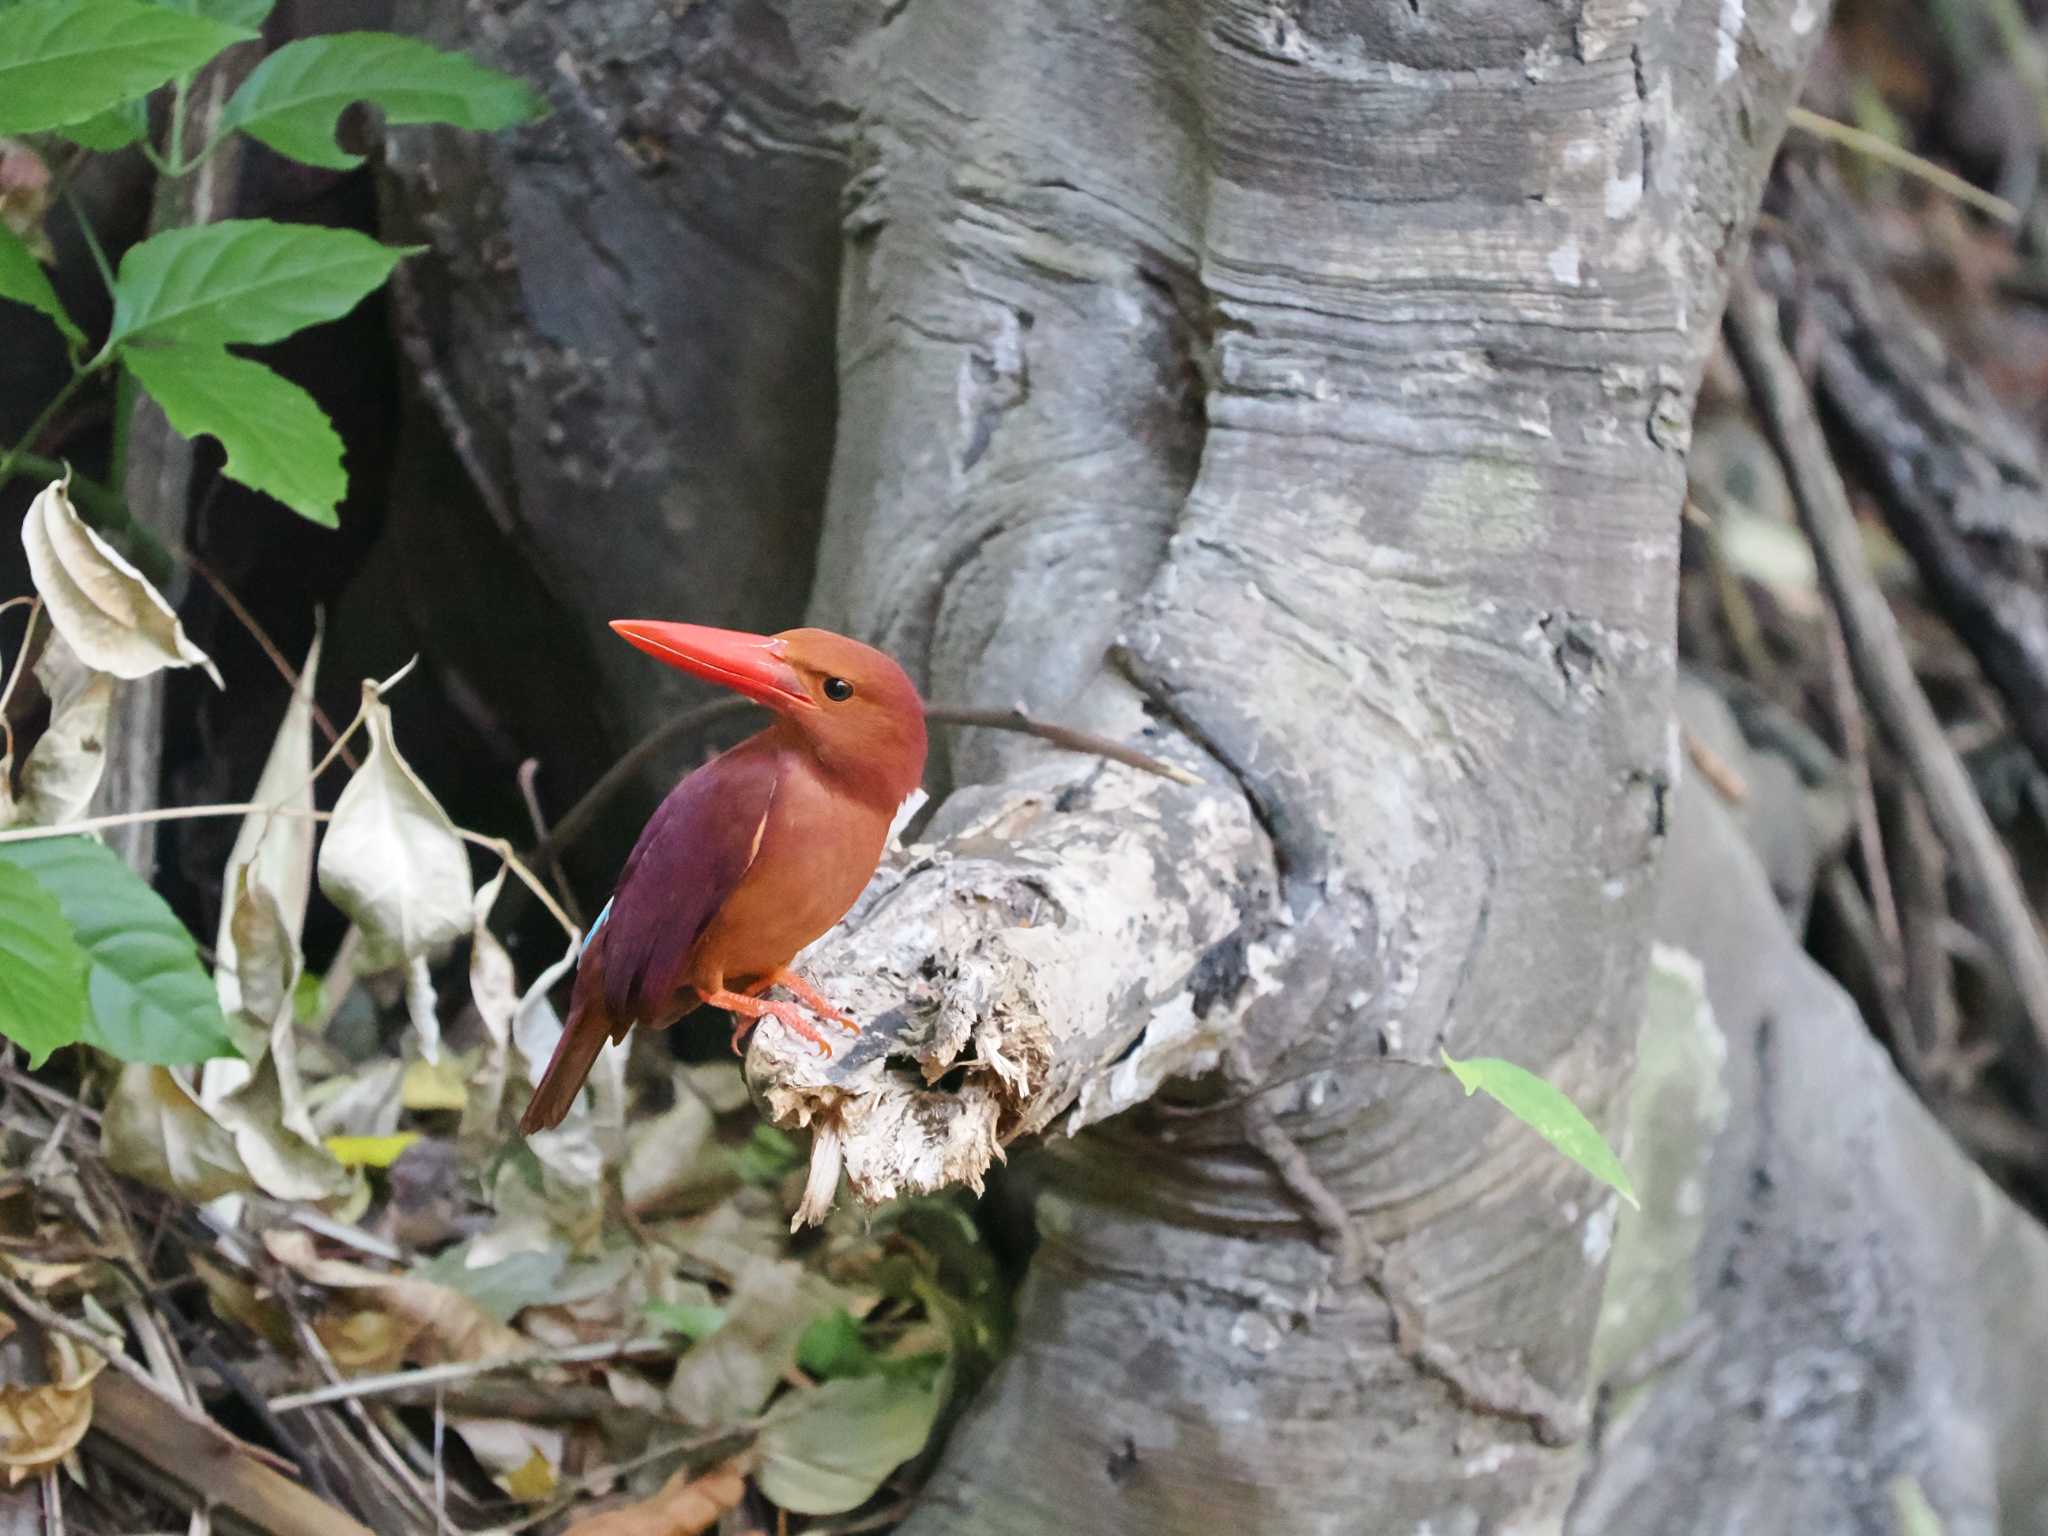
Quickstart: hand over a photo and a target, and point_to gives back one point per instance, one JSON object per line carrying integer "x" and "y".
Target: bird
{"x": 753, "y": 855}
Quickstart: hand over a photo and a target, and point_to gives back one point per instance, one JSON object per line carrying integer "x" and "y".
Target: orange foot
{"x": 751, "y": 1009}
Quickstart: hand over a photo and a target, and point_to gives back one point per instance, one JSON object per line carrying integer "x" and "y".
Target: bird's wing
{"x": 689, "y": 860}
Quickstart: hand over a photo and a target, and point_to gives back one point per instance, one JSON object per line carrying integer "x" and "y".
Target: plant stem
{"x": 87, "y": 233}
{"x": 1905, "y": 160}
{"x": 108, "y": 512}
{"x": 37, "y": 427}
{"x": 174, "y": 153}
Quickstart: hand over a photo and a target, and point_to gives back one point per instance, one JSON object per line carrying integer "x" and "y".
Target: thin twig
{"x": 14, "y": 1077}
{"x": 1905, "y": 160}
{"x": 388, "y": 1453}
{"x": 1884, "y": 904}
{"x": 1878, "y": 655}
{"x": 357, "y": 1387}
{"x": 531, "y": 795}
{"x": 1015, "y": 719}
{"x": 261, "y": 636}
{"x": 28, "y": 635}
{"x": 53, "y": 1502}
{"x": 627, "y": 769}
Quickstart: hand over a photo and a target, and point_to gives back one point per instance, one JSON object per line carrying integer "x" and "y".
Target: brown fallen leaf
{"x": 684, "y": 1506}
{"x": 413, "y": 1320}
{"x": 45, "y": 1402}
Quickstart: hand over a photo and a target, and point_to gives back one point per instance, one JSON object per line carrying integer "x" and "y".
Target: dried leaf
{"x": 261, "y": 1099}
{"x": 155, "y": 1130}
{"x": 63, "y": 770}
{"x": 42, "y": 1420}
{"x": 392, "y": 859}
{"x": 105, "y": 608}
{"x": 520, "y": 1457}
{"x": 278, "y": 850}
{"x": 431, "y": 1323}
{"x": 686, "y": 1506}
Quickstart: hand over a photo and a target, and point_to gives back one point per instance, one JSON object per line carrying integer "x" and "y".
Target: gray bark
{"x": 1822, "y": 1293}
{"x": 1307, "y": 386}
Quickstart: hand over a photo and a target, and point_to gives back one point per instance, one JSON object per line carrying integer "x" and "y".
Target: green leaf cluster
{"x": 88, "y": 952}
{"x": 83, "y": 70}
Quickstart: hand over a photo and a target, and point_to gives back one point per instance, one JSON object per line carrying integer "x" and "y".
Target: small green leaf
{"x": 151, "y": 999}
{"x": 294, "y": 99}
{"x": 42, "y": 969}
{"x": 826, "y": 1451}
{"x": 115, "y": 128}
{"x": 277, "y": 438}
{"x": 64, "y": 61}
{"x": 692, "y": 1322}
{"x": 833, "y": 1346}
{"x": 23, "y": 280}
{"x": 1547, "y": 1112}
{"x": 244, "y": 280}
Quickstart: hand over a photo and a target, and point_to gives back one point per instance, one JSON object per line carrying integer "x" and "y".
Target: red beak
{"x": 747, "y": 664}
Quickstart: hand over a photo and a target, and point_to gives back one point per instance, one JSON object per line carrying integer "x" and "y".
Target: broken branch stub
{"x": 1041, "y": 955}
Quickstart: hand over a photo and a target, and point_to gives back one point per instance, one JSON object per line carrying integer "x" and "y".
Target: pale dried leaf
{"x": 260, "y": 1098}
{"x": 63, "y": 770}
{"x": 685, "y": 1506}
{"x": 278, "y": 849}
{"x": 520, "y": 1457}
{"x": 494, "y": 986}
{"x": 105, "y": 608}
{"x": 155, "y": 1130}
{"x": 574, "y": 1155}
{"x": 392, "y": 859}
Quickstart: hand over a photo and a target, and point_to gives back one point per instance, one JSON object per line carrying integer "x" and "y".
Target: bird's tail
{"x": 588, "y": 1030}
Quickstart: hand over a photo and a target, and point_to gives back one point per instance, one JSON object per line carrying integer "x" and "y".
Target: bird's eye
{"x": 838, "y": 689}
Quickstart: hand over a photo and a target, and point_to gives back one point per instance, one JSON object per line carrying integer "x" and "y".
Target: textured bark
{"x": 1307, "y": 385}
{"x": 1963, "y": 485}
{"x": 632, "y": 304}
{"x": 1822, "y": 1293}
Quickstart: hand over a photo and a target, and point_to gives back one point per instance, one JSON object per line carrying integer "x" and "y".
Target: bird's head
{"x": 850, "y": 703}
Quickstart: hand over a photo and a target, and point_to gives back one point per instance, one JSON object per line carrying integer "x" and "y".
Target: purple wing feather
{"x": 689, "y": 860}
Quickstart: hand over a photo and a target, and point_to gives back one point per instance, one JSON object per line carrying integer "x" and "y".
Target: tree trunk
{"x": 1306, "y": 385}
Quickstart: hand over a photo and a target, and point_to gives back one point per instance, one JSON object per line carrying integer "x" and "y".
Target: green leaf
{"x": 115, "y": 128}
{"x": 1547, "y": 1112}
{"x": 692, "y": 1322}
{"x": 833, "y": 1346}
{"x": 294, "y": 99}
{"x": 63, "y": 61}
{"x": 244, "y": 280}
{"x": 23, "y": 280}
{"x": 767, "y": 1155}
{"x": 42, "y": 969}
{"x": 826, "y": 1451}
{"x": 236, "y": 13}
{"x": 277, "y": 439}
{"x": 151, "y": 999}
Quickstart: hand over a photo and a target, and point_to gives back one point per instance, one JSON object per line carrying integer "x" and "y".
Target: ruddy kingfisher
{"x": 752, "y": 856}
